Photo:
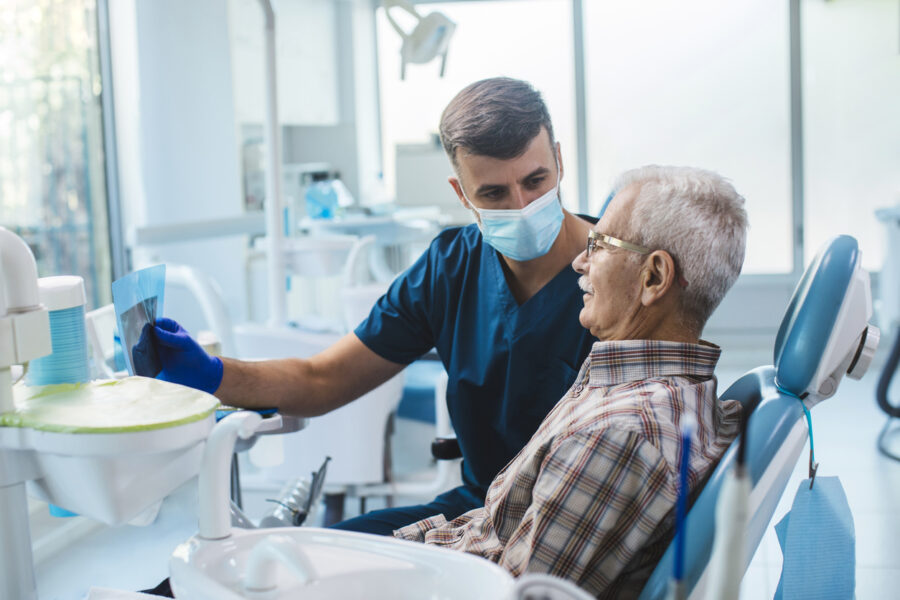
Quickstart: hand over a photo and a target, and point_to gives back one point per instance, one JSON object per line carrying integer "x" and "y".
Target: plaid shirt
{"x": 590, "y": 498}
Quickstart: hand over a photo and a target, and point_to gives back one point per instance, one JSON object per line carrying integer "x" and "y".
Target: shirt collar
{"x": 617, "y": 362}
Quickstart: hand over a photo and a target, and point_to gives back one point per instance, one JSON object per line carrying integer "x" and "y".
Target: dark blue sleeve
{"x": 399, "y": 326}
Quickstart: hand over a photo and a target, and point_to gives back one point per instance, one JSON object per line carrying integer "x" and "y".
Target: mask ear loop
{"x": 558, "y": 177}
{"x": 471, "y": 206}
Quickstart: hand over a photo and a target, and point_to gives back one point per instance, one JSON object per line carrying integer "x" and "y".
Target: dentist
{"x": 497, "y": 300}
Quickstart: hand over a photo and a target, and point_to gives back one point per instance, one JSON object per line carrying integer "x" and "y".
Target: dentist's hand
{"x": 183, "y": 360}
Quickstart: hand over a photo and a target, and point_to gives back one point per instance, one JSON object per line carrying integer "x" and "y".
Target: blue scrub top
{"x": 508, "y": 364}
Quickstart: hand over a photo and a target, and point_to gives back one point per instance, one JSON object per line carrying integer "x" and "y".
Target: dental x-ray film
{"x": 138, "y": 300}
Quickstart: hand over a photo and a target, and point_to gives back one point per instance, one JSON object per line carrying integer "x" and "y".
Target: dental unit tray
{"x": 108, "y": 450}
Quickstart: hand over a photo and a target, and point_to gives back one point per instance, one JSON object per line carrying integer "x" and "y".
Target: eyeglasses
{"x": 594, "y": 239}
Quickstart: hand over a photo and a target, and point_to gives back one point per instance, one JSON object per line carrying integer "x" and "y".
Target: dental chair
{"x": 824, "y": 335}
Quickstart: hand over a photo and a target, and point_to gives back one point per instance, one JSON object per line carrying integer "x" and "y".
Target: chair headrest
{"x": 825, "y": 331}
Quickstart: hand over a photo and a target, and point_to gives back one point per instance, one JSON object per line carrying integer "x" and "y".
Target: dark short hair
{"x": 495, "y": 117}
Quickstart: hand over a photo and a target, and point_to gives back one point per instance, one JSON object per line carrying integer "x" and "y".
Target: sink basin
{"x": 336, "y": 564}
{"x": 223, "y": 563}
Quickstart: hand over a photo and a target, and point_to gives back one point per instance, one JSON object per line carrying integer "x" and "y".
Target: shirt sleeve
{"x": 398, "y": 327}
{"x": 416, "y": 531}
{"x": 598, "y": 498}
{"x": 469, "y": 532}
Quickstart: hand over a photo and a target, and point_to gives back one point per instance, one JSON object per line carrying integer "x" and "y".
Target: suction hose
{"x": 884, "y": 382}
{"x": 881, "y": 394}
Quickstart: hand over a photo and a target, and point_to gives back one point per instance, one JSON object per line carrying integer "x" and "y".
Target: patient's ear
{"x": 658, "y": 277}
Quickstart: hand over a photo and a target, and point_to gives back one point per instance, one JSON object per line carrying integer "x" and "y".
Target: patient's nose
{"x": 581, "y": 263}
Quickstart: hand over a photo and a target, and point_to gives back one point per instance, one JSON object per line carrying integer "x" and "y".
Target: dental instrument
{"x": 296, "y": 501}
{"x": 732, "y": 516}
{"x": 676, "y": 586}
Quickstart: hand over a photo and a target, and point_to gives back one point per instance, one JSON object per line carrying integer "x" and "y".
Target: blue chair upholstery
{"x": 776, "y": 428}
{"x": 813, "y": 312}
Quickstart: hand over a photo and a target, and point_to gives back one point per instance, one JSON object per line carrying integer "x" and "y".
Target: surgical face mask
{"x": 525, "y": 233}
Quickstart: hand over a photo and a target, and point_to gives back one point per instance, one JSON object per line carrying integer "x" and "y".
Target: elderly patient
{"x": 590, "y": 498}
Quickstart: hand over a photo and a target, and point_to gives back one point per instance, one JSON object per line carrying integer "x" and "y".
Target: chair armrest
{"x": 445, "y": 448}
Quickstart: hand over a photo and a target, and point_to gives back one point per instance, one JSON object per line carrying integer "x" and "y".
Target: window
{"x": 525, "y": 39}
{"x": 52, "y": 187}
{"x": 851, "y": 81}
{"x": 702, "y": 83}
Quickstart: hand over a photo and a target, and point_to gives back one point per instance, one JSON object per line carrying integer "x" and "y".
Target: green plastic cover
{"x": 124, "y": 405}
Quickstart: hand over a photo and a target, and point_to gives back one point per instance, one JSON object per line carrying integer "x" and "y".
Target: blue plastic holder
{"x": 69, "y": 361}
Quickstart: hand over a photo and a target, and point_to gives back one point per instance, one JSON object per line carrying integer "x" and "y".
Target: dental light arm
{"x": 274, "y": 202}
{"x": 428, "y": 39}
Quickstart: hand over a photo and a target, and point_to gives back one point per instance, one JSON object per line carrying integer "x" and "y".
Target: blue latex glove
{"x": 183, "y": 360}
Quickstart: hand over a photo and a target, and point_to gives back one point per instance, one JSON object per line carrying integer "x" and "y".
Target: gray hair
{"x": 698, "y": 217}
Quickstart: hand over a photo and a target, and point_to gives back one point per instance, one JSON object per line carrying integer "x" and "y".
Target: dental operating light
{"x": 427, "y": 40}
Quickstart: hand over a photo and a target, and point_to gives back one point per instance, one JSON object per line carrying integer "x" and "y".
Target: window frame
{"x": 117, "y": 246}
